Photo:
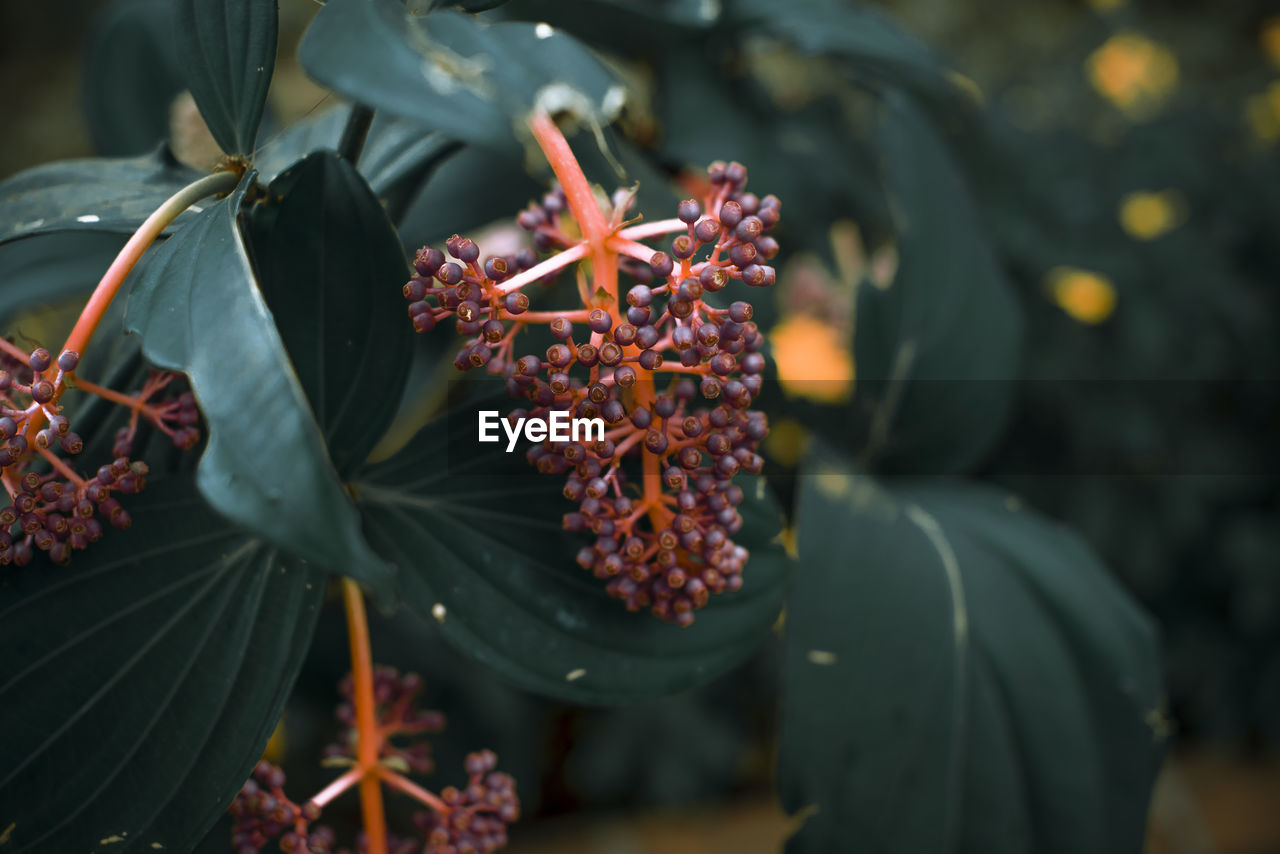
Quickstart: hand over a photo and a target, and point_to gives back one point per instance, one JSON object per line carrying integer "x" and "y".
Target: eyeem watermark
{"x": 557, "y": 426}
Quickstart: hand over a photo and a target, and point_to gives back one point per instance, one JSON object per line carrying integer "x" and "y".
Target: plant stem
{"x": 542, "y": 268}
{"x": 108, "y": 394}
{"x": 355, "y": 133}
{"x": 94, "y": 310}
{"x": 577, "y": 190}
{"x": 368, "y": 744}
{"x": 96, "y": 307}
{"x": 337, "y": 787}
{"x": 413, "y": 790}
{"x": 653, "y": 229}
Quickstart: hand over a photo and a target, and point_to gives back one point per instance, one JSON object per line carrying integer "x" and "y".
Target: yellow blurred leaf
{"x": 1134, "y": 73}
{"x": 1270, "y": 38}
{"x": 813, "y": 362}
{"x": 1087, "y": 296}
{"x": 1146, "y": 216}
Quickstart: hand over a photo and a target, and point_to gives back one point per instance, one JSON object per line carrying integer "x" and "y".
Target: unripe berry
{"x": 624, "y": 334}
{"x": 624, "y": 376}
{"x": 707, "y": 231}
{"x": 428, "y": 261}
{"x": 713, "y": 279}
{"x": 691, "y": 289}
{"x": 610, "y": 354}
{"x": 516, "y": 303}
{"x": 449, "y": 274}
{"x": 661, "y": 265}
{"x": 730, "y": 214}
{"x": 496, "y": 268}
{"x": 749, "y": 229}
{"x": 646, "y": 337}
{"x": 742, "y": 254}
{"x": 600, "y": 321}
{"x": 754, "y": 275}
{"x": 42, "y": 391}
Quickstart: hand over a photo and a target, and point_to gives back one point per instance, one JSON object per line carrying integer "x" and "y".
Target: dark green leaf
{"x": 229, "y": 51}
{"x": 449, "y": 72}
{"x": 475, "y": 536}
{"x": 198, "y": 310}
{"x": 113, "y": 195}
{"x": 938, "y": 350}
{"x": 449, "y": 203}
{"x": 396, "y": 159}
{"x": 46, "y": 269}
{"x": 690, "y": 13}
{"x": 962, "y": 676}
{"x": 139, "y": 684}
{"x": 874, "y": 47}
{"x": 331, "y": 268}
{"x": 132, "y": 72}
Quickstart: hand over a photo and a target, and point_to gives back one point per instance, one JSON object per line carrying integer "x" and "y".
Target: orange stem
{"x": 577, "y": 189}
{"x": 413, "y": 790}
{"x": 368, "y": 738}
{"x": 94, "y": 310}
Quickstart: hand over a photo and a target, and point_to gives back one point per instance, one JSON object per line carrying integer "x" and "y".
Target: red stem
{"x": 368, "y": 740}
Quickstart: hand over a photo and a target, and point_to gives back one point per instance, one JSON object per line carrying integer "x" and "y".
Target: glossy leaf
{"x": 449, "y": 72}
{"x": 94, "y": 194}
{"x": 265, "y": 465}
{"x": 962, "y": 675}
{"x": 139, "y": 685}
{"x": 48, "y": 268}
{"x": 396, "y": 159}
{"x": 450, "y": 204}
{"x": 476, "y": 533}
{"x": 331, "y": 267}
{"x": 937, "y": 352}
{"x": 874, "y": 47}
{"x": 229, "y": 52}
{"x": 132, "y": 71}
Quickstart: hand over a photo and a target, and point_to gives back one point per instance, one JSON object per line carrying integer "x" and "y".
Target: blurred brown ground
{"x": 1205, "y": 803}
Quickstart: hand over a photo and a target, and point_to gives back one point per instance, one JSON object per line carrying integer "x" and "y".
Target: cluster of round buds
{"x": 672, "y": 374}
{"x": 177, "y": 416}
{"x": 261, "y": 812}
{"x": 60, "y": 516}
{"x": 468, "y": 289}
{"x": 398, "y": 715}
{"x": 59, "y": 511}
{"x": 477, "y": 816}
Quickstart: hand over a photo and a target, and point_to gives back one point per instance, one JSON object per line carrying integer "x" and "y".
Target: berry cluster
{"x": 397, "y": 716}
{"x": 59, "y": 511}
{"x": 672, "y": 373}
{"x": 261, "y": 812}
{"x": 176, "y": 416}
{"x": 472, "y": 820}
{"x": 478, "y": 815}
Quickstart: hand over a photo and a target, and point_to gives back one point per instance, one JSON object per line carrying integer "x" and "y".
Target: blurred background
{"x": 1127, "y": 162}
